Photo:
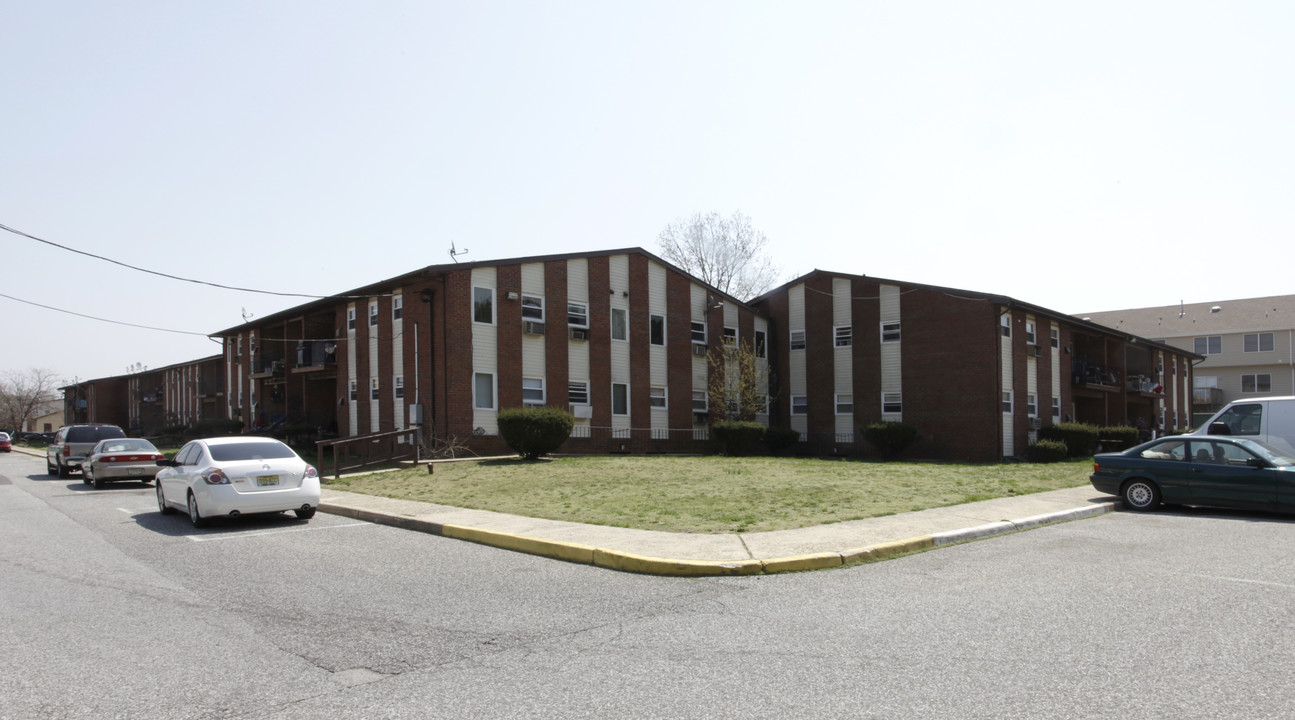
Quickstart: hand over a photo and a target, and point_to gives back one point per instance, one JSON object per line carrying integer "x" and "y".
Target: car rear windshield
{"x": 250, "y": 451}
{"x": 129, "y": 446}
{"x": 94, "y": 434}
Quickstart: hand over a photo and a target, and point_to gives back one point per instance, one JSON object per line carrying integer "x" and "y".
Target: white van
{"x": 1270, "y": 420}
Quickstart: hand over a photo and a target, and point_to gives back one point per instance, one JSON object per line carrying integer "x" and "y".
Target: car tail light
{"x": 215, "y": 476}
{"x": 1097, "y": 468}
{"x": 157, "y": 456}
{"x": 311, "y": 472}
{"x": 66, "y": 451}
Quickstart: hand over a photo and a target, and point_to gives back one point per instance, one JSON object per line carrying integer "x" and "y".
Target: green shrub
{"x": 1080, "y": 440}
{"x": 890, "y": 438}
{"x": 1116, "y": 438}
{"x": 1046, "y": 451}
{"x": 215, "y": 427}
{"x": 779, "y": 439}
{"x": 535, "y": 431}
{"x": 738, "y": 436}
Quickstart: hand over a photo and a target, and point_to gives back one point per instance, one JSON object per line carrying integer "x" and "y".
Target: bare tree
{"x": 25, "y": 394}
{"x": 727, "y": 253}
{"x": 739, "y": 382}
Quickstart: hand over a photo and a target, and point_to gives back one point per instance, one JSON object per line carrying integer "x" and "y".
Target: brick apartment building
{"x": 620, "y": 337}
{"x": 145, "y": 402}
{"x": 623, "y": 339}
{"x": 977, "y": 374}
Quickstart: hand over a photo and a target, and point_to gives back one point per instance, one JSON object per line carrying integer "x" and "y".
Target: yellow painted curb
{"x": 887, "y": 550}
{"x": 571, "y": 552}
{"x": 796, "y": 563}
{"x": 630, "y": 562}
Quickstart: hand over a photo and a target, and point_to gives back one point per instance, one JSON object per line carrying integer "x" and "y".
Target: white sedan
{"x": 229, "y": 476}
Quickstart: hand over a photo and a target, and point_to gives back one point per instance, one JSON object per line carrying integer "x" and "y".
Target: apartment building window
{"x": 730, "y": 336}
{"x": 533, "y": 308}
{"x": 1260, "y": 383}
{"x": 1258, "y": 342}
{"x": 350, "y": 320}
{"x": 355, "y": 391}
{"x": 700, "y": 403}
{"x": 532, "y": 391}
{"x": 1211, "y": 345}
{"x": 373, "y": 388}
{"x": 483, "y": 306}
{"x": 892, "y": 402}
{"x": 890, "y": 332}
{"x": 1055, "y": 335}
{"x": 399, "y": 386}
{"x": 797, "y": 340}
{"x": 1031, "y": 337}
{"x": 1007, "y": 401}
{"x": 656, "y": 329}
{"x": 761, "y": 348}
{"x": 1031, "y": 404}
{"x": 578, "y": 393}
{"x": 1005, "y": 325}
{"x": 373, "y": 313}
{"x": 845, "y": 404}
{"x": 843, "y": 336}
{"x": 799, "y": 405}
{"x": 620, "y": 399}
{"x": 699, "y": 333}
{"x": 397, "y": 307}
{"x": 578, "y": 315}
{"x": 483, "y": 391}
{"x": 1056, "y": 406}
{"x": 620, "y": 324}
{"x": 656, "y": 397}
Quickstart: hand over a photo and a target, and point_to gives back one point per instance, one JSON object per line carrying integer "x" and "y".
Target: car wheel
{"x": 162, "y": 507}
{"x": 62, "y": 470}
{"x": 195, "y": 516}
{"x": 305, "y": 513}
{"x": 1141, "y": 495}
{"x": 99, "y": 483}
{"x": 49, "y": 468}
{"x": 86, "y": 476}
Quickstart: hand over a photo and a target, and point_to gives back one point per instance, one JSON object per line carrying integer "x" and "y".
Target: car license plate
{"x": 136, "y": 471}
{"x": 263, "y": 480}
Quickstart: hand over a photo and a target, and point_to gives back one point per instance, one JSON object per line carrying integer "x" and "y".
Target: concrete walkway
{"x": 696, "y": 554}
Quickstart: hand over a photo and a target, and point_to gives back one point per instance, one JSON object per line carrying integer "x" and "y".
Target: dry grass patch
{"x": 712, "y": 494}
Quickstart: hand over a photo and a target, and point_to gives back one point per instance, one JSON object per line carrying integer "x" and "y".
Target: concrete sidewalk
{"x": 688, "y": 554}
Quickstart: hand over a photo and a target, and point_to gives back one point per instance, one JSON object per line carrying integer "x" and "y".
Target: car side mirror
{"x": 1255, "y": 462}
{"x": 1218, "y": 427}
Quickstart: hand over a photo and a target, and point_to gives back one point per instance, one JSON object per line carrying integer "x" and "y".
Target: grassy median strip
{"x": 712, "y": 494}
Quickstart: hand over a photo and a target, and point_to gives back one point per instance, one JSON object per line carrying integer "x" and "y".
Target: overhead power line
{"x": 92, "y": 317}
{"x": 185, "y": 279}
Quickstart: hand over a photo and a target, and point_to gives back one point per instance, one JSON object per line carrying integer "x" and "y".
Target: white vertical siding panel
{"x": 375, "y": 406}
{"x": 892, "y": 372}
{"x": 697, "y": 313}
{"x": 1056, "y": 373}
{"x": 533, "y": 359}
{"x": 485, "y": 350}
{"x": 352, "y": 411}
{"x": 1009, "y": 440}
{"x": 657, "y": 360}
{"x": 798, "y": 381}
{"x": 398, "y": 414}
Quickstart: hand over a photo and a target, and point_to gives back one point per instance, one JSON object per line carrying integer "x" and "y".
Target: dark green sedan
{"x": 1198, "y": 470}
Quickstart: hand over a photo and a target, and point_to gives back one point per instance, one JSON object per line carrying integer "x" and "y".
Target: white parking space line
{"x": 209, "y": 538}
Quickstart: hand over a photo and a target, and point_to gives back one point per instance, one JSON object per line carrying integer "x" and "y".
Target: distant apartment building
{"x": 1247, "y": 345}
{"x": 145, "y": 402}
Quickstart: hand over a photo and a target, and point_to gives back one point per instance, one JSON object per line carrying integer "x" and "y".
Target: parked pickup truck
{"x": 72, "y": 443}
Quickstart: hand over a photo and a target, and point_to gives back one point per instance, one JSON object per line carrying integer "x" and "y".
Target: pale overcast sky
{"x": 1081, "y": 156}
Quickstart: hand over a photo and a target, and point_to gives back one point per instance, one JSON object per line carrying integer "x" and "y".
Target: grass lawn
{"x": 712, "y": 494}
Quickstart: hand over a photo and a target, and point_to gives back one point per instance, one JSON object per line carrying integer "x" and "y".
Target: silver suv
{"x": 72, "y": 443}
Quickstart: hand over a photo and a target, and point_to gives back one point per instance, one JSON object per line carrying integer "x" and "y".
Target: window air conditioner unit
{"x": 699, "y": 349}
{"x": 700, "y": 417}
{"x": 579, "y": 334}
{"x": 1036, "y": 423}
{"x": 582, "y": 412}
{"x": 534, "y": 328}
{"x": 1038, "y": 351}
